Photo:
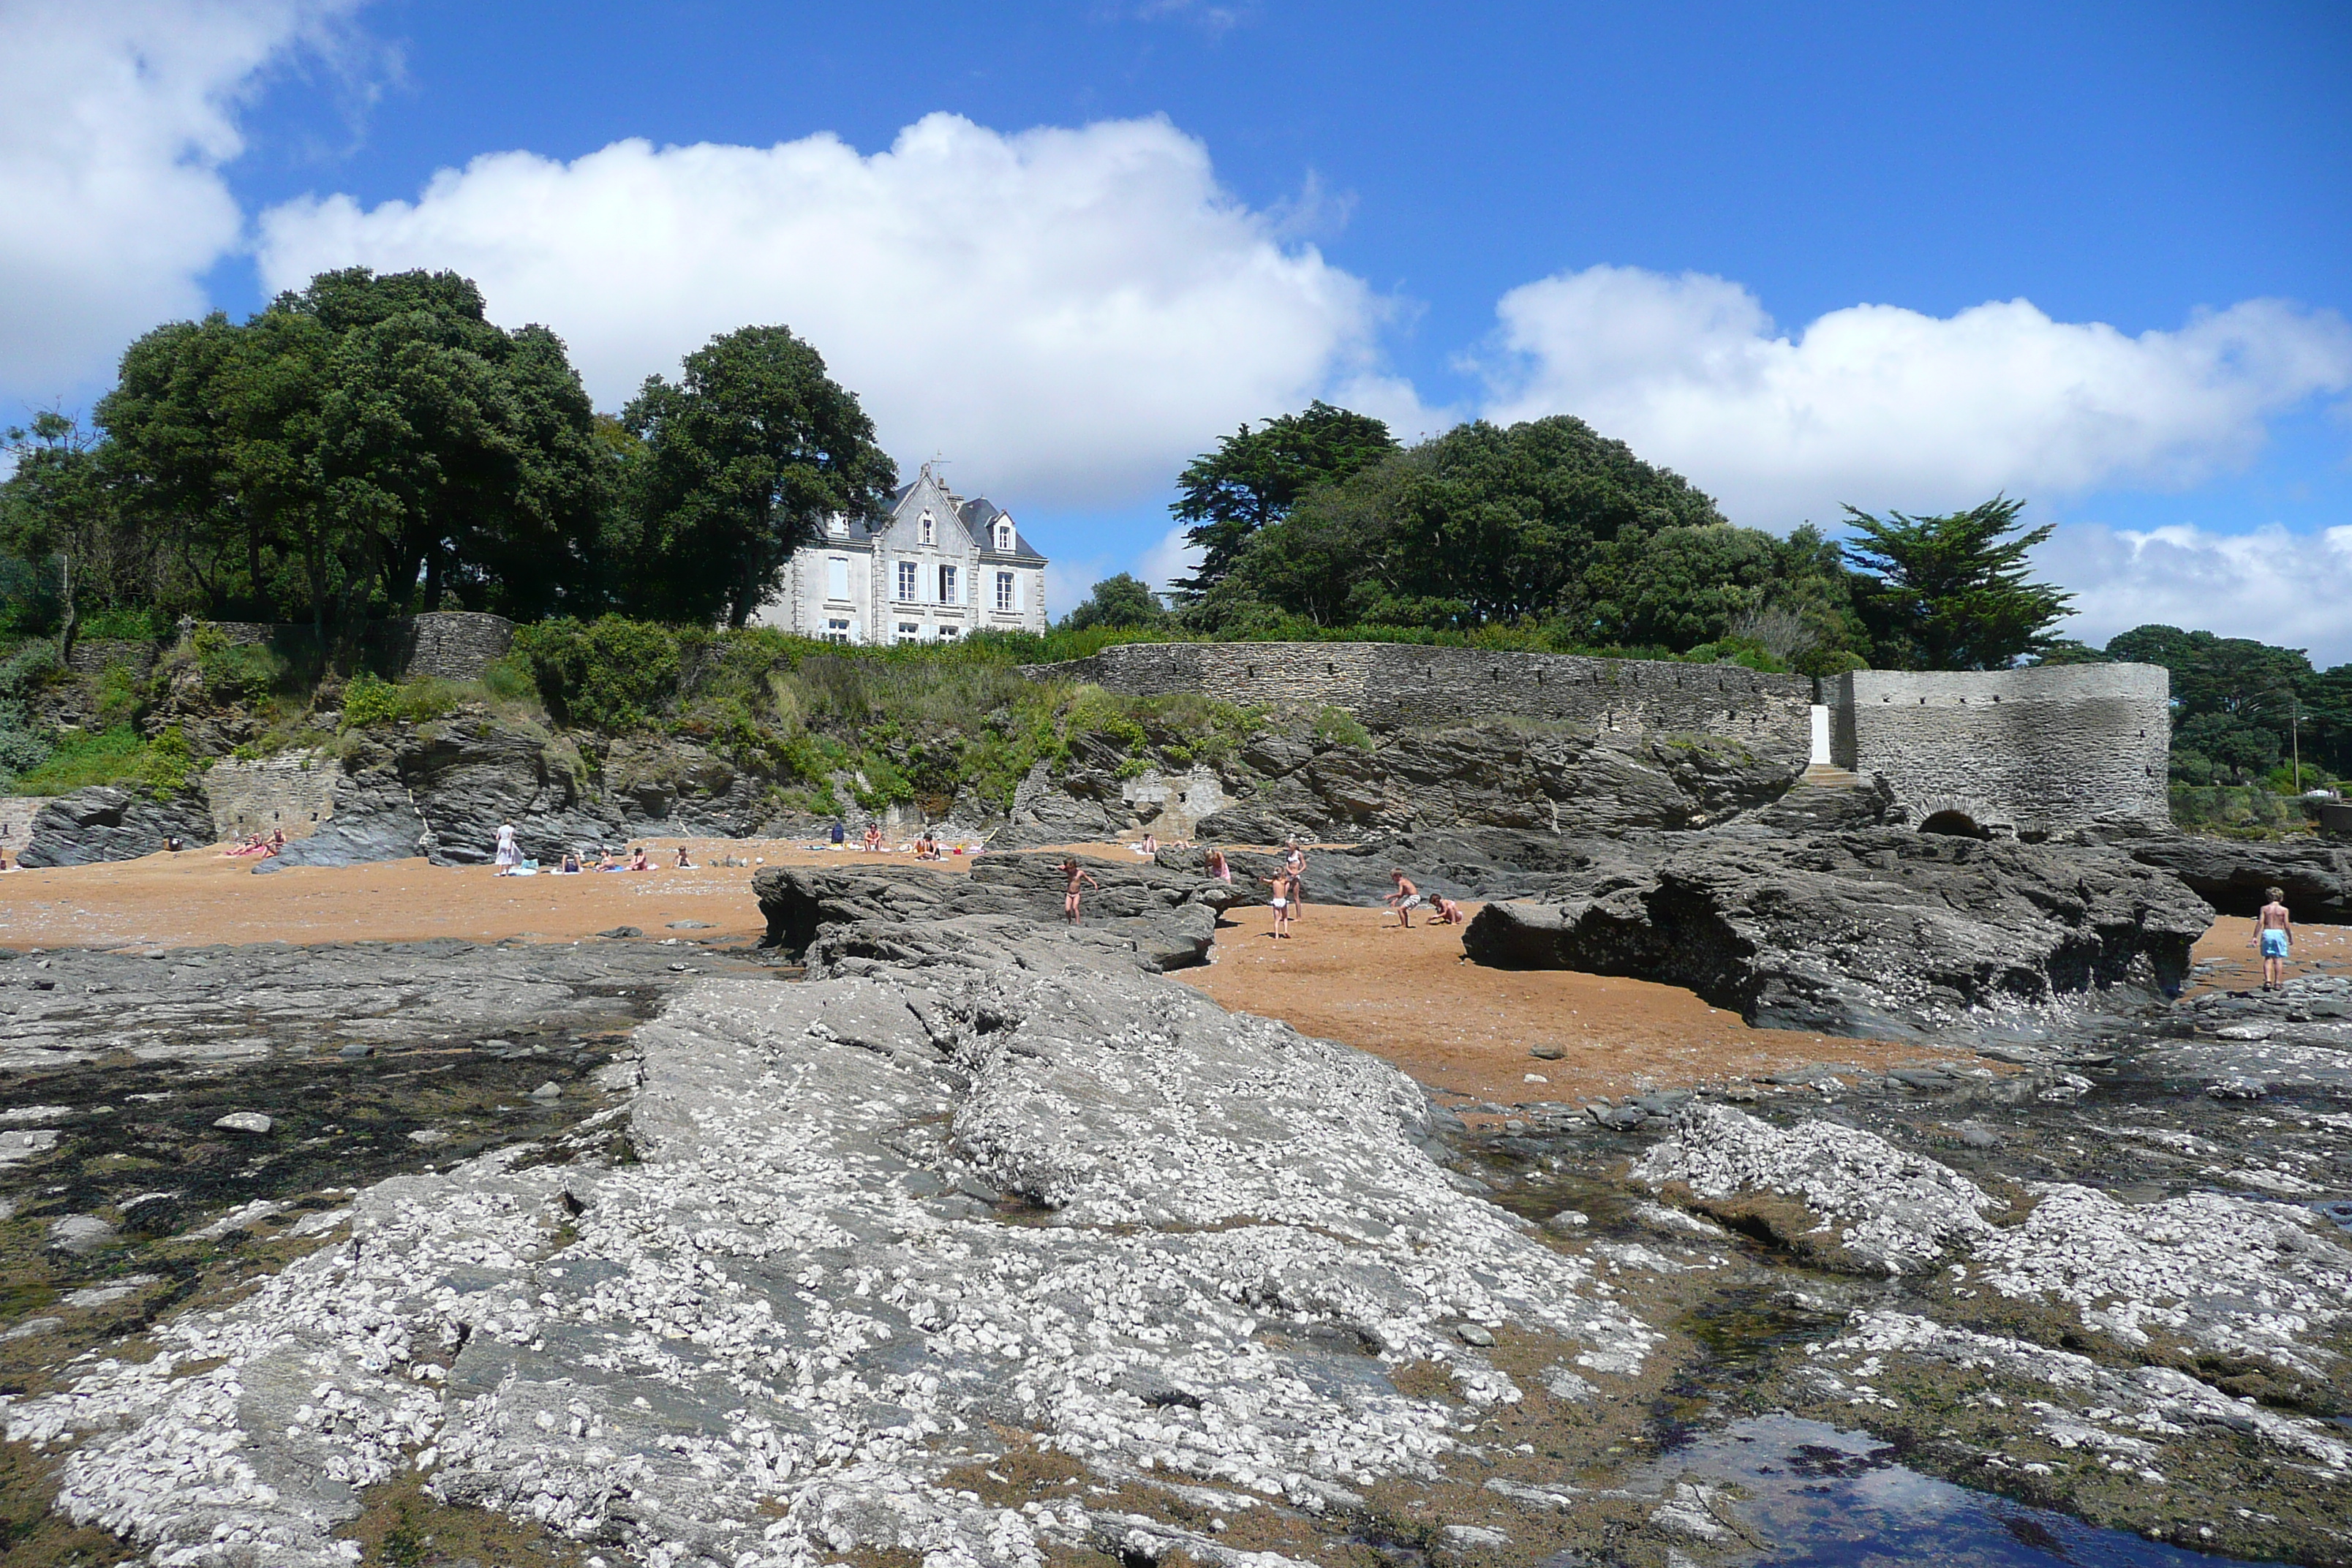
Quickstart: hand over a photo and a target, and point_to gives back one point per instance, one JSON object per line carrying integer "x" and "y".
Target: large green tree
{"x": 365, "y": 442}
{"x": 744, "y": 458}
{"x": 1952, "y": 592}
{"x": 2237, "y": 704}
{"x": 1254, "y": 478}
{"x": 1481, "y": 524}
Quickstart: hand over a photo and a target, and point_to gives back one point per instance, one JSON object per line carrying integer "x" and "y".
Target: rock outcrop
{"x": 883, "y": 1233}
{"x": 1862, "y": 1201}
{"x": 1555, "y": 777}
{"x": 2231, "y": 875}
{"x": 374, "y": 819}
{"x": 1886, "y": 932}
{"x": 915, "y": 914}
{"x": 104, "y": 823}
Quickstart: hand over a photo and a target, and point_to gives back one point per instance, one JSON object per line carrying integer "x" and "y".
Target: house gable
{"x": 926, "y": 497}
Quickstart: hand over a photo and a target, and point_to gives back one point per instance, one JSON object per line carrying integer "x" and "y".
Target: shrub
{"x": 608, "y": 674}
{"x": 117, "y": 696}
{"x": 1337, "y": 727}
{"x": 234, "y": 672}
{"x": 163, "y": 766}
{"x": 368, "y": 699}
{"x": 509, "y": 678}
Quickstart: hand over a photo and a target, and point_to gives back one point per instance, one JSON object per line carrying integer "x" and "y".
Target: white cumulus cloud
{"x": 116, "y": 117}
{"x": 2271, "y": 584}
{"x": 1069, "y": 314}
{"x": 1885, "y": 407}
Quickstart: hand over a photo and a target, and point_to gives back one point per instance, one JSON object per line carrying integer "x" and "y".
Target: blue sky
{"x": 1901, "y": 257}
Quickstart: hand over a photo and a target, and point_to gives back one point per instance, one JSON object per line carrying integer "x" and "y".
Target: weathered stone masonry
{"x": 2017, "y": 752}
{"x": 1404, "y": 685}
{"x": 2026, "y": 752}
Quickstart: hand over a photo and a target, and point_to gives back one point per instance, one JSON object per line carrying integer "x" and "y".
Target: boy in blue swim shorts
{"x": 2274, "y": 933}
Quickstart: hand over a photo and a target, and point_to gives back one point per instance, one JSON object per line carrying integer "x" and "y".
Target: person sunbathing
{"x": 683, "y": 863}
{"x": 640, "y": 860}
{"x": 570, "y": 866}
{"x": 609, "y": 862}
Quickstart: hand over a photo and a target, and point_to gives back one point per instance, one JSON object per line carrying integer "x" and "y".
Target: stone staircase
{"x": 1825, "y": 798}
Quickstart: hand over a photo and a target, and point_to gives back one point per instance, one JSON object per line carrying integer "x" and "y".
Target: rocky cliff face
{"x": 1885, "y": 931}
{"x": 104, "y": 823}
{"x": 1498, "y": 774}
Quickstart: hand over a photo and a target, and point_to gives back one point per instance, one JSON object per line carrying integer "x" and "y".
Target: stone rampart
{"x": 292, "y": 792}
{"x": 1395, "y": 685}
{"x": 454, "y": 645}
{"x": 94, "y": 656}
{"x": 2024, "y": 751}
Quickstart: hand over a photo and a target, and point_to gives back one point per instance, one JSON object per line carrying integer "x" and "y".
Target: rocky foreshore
{"x": 985, "y": 1243}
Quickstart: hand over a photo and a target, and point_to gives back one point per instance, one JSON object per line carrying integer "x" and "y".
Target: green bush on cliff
{"x": 606, "y": 674}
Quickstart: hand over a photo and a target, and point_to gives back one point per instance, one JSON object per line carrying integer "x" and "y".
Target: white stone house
{"x": 938, "y": 568}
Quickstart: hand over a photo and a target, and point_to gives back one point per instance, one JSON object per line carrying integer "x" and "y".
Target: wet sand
{"x": 1348, "y": 974}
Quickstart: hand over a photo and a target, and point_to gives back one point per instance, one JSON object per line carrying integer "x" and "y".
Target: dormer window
{"x": 838, "y": 526}
{"x": 1004, "y": 538}
{"x": 930, "y": 530}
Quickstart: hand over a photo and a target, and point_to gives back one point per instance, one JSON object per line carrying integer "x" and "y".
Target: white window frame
{"x": 1008, "y": 597}
{"x": 1004, "y": 538}
{"x": 930, "y": 530}
{"x": 909, "y": 632}
{"x": 836, "y": 578}
{"x": 950, "y": 582}
{"x": 836, "y": 629}
{"x": 909, "y": 582}
{"x": 948, "y": 634}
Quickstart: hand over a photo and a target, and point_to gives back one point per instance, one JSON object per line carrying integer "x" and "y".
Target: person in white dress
{"x": 509, "y": 854}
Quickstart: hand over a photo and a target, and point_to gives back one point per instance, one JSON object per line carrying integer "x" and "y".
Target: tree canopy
{"x": 2239, "y": 706}
{"x": 1952, "y": 592}
{"x": 367, "y": 440}
{"x": 1544, "y": 524}
{"x": 1254, "y": 478}
{"x": 742, "y": 460}
{"x": 1125, "y": 600}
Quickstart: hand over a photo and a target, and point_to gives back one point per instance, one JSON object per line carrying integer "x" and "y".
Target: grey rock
{"x": 1890, "y": 1209}
{"x": 622, "y": 931}
{"x": 894, "y": 913}
{"x": 80, "y": 1234}
{"x": 1473, "y": 1334}
{"x": 1183, "y": 1178}
{"x": 689, "y": 925}
{"x": 104, "y": 823}
{"x": 549, "y": 1091}
{"x": 2232, "y": 876}
{"x": 1884, "y": 932}
{"x": 245, "y": 1122}
{"x": 374, "y": 819}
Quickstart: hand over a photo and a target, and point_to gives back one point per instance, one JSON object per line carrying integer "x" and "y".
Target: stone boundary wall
{"x": 93, "y": 656}
{"x": 2028, "y": 751}
{"x": 1409, "y": 685}
{"x": 16, "y": 814}
{"x": 454, "y": 645}
{"x": 274, "y": 793}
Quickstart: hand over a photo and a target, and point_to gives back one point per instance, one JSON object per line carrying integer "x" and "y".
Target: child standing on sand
{"x": 1407, "y": 899}
{"x": 2275, "y": 934}
{"x": 1283, "y": 900}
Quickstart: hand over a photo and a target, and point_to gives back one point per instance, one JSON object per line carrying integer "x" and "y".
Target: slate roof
{"x": 977, "y": 516}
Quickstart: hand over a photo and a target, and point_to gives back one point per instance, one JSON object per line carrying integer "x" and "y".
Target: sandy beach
{"x": 1348, "y": 974}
